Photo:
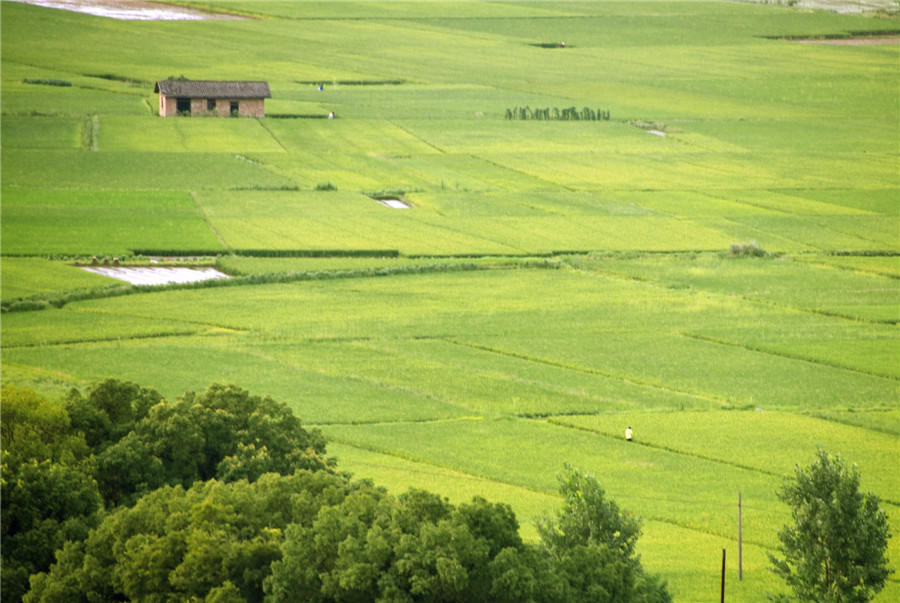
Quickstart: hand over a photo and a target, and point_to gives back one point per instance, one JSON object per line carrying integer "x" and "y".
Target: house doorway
{"x": 235, "y": 108}
{"x": 183, "y": 105}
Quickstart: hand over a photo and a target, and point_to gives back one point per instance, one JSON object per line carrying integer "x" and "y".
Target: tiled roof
{"x": 207, "y": 89}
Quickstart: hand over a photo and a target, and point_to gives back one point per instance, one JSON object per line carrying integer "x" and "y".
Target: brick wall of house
{"x": 166, "y": 106}
{"x": 247, "y": 107}
{"x": 253, "y": 107}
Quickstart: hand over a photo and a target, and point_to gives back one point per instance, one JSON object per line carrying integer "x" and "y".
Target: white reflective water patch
{"x": 130, "y": 10}
{"x": 394, "y": 203}
{"x": 157, "y": 276}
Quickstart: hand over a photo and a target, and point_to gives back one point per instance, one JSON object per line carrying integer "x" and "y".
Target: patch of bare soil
{"x": 131, "y": 10}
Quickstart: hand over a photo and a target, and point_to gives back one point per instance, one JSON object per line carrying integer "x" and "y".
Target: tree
{"x": 109, "y": 411}
{"x": 223, "y": 433}
{"x": 592, "y": 543}
{"x": 835, "y": 550}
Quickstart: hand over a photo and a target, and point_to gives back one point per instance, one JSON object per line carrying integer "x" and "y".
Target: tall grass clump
{"x": 749, "y": 249}
{"x": 48, "y": 82}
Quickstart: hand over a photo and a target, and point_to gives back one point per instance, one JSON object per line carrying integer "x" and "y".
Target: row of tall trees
{"x": 564, "y": 114}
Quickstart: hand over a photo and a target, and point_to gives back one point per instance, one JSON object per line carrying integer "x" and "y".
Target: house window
{"x": 235, "y": 108}
{"x": 183, "y": 105}
{"x": 210, "y": 104}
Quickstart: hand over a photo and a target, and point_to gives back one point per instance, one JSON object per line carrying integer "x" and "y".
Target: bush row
{"x": 557, "y": 114}
{"x": 48, "y": 82}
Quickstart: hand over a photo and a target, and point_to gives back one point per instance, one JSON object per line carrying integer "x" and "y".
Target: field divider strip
{"x": 419, "y": 138}
{"x": 49, "y": 344}
{"x": 820, "y": 416}
{"x": 95, "y": 133}
{"x": 586, "y": 370}
{"x": 778, "y": 354}
{"x": 262, "y": 124}
{"x": 206, "y": 219}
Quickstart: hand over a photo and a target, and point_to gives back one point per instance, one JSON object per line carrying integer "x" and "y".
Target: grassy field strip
{"x": 889, "y": 349}
{"x": 611, "y": 340}
{"x": 30, "y": 132}
{"x": 473, "y": 379}
{"x": 50, "y": 221}
{"x": 880, "y": 233}
{"x": 50, "y": 327}
{"x": 730, "y": 439}
{"x": 883, "y": 420}
{"x": 699, "y": 500}
{"x": 128, "y": 133}
{"x": 887, "y": 265}
{"x": 731, "y": 376}
{"x": 134, "y": 171}
{"x": 629, "y": 380}
{"x": 827, "y": 288}
{"x": 179, "y": 364}
{"x": 25, "y": 277}
{"x": 566, "y": 421}
{"x": 366, "y": 383}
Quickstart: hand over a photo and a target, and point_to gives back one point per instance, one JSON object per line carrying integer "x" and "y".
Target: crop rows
{"x": 552, "y": 282}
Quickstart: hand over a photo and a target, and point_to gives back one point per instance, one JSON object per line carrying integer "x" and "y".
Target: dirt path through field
{"x": 130, "y": 10}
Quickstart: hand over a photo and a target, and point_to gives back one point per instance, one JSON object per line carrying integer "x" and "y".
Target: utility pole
{"x": 723, "y": 575}
{"x": 740, "y": 543}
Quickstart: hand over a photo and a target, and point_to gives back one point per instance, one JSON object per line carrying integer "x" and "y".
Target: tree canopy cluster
{"x": 223, "y": 496}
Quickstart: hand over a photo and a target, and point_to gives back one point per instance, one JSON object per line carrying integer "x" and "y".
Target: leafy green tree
{"x": 223, "y": 433}
{"x": 588, "y": 517}
{"x": 47, "y": 492}
{"x": 592, "y": 543}
{"x": 109, "y": 411}
{"x": 835, "y": 550}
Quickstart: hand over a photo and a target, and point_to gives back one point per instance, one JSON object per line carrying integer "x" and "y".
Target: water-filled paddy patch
{"x": 156, "y": 275}
{"x": 131, "y": 10}
{"x": 394, "y": 203}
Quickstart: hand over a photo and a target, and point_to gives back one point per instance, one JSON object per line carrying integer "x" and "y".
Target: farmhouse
{"x": 186, "y": 97}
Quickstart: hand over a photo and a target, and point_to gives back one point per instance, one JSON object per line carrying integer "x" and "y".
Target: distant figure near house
{"x": 628, "y": 434}
{"x": 222, "y": 99}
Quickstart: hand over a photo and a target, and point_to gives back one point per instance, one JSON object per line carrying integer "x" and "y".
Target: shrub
{"x": 750, "y": 249}
{"x": 48, "y": 82}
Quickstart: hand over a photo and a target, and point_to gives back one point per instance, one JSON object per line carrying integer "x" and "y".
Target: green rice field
{"x": 717, "y": 265}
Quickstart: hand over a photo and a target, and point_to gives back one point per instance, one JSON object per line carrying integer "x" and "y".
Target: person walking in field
{"x": 628, "y": 434}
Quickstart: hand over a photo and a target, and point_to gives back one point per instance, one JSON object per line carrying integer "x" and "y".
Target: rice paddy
{"x": 729, "y": 289}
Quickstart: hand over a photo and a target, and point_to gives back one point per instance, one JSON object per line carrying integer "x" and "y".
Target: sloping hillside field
{"x": 709, "y": 253}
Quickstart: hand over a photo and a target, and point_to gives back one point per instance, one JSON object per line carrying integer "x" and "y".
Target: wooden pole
{"x": 740, "y": 543}
{"x": 723, "y": 575}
